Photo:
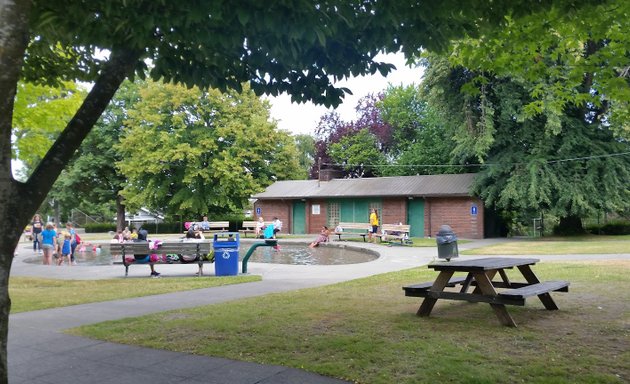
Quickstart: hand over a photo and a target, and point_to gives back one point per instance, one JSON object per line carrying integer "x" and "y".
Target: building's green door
{"x": 355, "y": 211}
{"x": 415, "y": 209}
{"x": 299, "y": 218}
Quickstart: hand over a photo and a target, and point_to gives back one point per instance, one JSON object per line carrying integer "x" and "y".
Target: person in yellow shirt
{"x": 373, "y": 223}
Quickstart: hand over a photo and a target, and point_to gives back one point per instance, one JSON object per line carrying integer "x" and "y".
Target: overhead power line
{"x": 476, "y": 165}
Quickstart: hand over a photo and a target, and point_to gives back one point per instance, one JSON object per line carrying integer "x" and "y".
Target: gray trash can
{"x": 226, "y": 246}
{"x": 446, "y": 243}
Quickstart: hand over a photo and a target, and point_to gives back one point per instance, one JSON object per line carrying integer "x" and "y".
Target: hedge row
{"x": 610, "y": 228}
{"x": 176, "y": 227}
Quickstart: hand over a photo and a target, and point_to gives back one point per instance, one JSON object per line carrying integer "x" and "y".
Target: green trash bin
{"x": 226, "y": 246}
{"x": 446, "y": 243}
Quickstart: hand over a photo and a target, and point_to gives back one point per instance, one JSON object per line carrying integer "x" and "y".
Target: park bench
{"x": 214, "y": 226}
{"x": 353, "y": 229}
{"x": 250, "y": 227}
{"x": 128, "y": 250}
{"x": 399, "y": 232}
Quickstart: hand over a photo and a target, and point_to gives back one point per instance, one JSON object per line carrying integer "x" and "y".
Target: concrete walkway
{"x": 39, "y": 351}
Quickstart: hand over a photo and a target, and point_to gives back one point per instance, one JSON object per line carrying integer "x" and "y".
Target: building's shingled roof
{"x": 417, "y": 186}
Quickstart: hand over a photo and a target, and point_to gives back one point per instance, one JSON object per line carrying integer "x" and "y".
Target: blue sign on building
{"x": 258, "y": 211}
{"x": 473, "y": 210}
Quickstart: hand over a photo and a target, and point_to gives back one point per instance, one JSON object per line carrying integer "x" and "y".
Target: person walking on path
{"x": 373, "y": 223}
{"x": 36, "y": 229}
{"x": 49, "y": 243}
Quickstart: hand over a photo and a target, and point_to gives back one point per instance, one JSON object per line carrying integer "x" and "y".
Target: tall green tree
{"x": 546, "y": 114}
{"x": 276, "y": 46}
{"x": 339, "y": 141}
{"x": 40, "y": 114}
{"x": 306, "y": 153}
{"x": 423, "y": 140}
{"x": 191, "y": 152}
{"x": 91, "y": 182}
{"x": 359, "y": 154}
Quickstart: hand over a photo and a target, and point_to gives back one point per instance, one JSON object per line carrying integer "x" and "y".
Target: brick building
{"x": 424, "y": 202}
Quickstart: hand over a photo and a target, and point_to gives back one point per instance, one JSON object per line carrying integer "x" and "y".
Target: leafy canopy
{"x": 190, "y": 152}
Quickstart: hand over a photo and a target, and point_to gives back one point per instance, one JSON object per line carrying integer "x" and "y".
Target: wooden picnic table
{"x": 480, "y": 274}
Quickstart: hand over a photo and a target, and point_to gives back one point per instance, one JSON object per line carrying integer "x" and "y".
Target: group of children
{"x": 54, "y": 244}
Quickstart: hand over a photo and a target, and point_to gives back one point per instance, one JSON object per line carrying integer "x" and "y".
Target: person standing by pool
{"x": 277, "y": 226}
{"x": 373, "y": 223}
{"x": 36, "y": 229}
{"x": 49, "y": 243}
{"x": 73, "y": 241}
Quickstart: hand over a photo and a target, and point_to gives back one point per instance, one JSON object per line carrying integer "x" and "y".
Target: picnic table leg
{"x": 531, "y": 278}
{"x": 490, "y": 274}
{"x": 466, "y": 283}
{"x": 438, "y": 286}
{"x": 484, "y": 283}
{"x": 505, "y": 278}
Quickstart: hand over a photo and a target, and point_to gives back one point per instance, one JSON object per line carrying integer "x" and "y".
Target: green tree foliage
{"x": 40, "y": 114}
{"x": 338, "y": 136}
{"x": 91, "y": 182}
{"x": 543, "y": 113}
{"x": 192, "y": 152}
{"x": 359, "y": 154}
{"x": 423, "y": 140}
{"x": 306, "y": 153}
{"x": 563, "y": 58}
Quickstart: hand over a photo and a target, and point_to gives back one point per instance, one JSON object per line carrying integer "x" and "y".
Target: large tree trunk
{"x": 120, "y": 214}
{"x": 570, "y": 225}
{"x": 14, "y": 214}
{"x": 19, "y": 201}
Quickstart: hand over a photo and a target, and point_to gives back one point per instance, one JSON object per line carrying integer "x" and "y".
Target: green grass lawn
{"x": 366, "y": 331}
{"x": 558, "y": 246}
{"x": 30, "y": 293}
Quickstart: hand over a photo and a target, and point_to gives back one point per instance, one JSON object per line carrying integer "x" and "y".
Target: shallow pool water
{"x": 301, "y": 254}
{"x": 296, "y": 254}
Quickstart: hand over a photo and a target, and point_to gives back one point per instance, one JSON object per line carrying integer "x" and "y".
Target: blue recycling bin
{"x": 226, "y": 246}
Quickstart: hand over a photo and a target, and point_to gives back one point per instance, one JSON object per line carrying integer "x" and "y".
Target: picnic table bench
{"x": 353, "y": 229}
{"x": 127, "y": 252}
{"x": 480, "y": 275}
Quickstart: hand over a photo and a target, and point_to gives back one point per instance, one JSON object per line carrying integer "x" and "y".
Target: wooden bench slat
{"x": 536, "y": 289}
{"x": 453, "y": 281}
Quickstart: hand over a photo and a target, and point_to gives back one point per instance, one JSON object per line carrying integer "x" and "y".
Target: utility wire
{"x": 476, "y": 165}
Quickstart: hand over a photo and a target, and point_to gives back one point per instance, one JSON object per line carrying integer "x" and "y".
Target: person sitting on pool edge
{"x": 322, "y": 238}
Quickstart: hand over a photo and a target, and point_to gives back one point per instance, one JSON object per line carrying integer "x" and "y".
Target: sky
{"x": 303, "y": 118}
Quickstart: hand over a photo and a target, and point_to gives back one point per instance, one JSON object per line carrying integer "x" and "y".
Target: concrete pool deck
{"x": 39, "y": 351}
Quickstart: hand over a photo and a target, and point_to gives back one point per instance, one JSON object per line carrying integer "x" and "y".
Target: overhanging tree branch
{"x": 119, "y": 66}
